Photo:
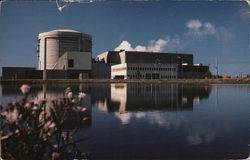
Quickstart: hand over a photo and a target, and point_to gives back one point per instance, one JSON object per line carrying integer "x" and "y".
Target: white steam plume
{"x": 159, "y": 45}
{"x": 196, "y": 31}
{"x": 154, "y": 46}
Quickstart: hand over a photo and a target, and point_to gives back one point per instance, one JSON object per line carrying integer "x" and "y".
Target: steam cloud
{"x": 199, "y": 30}
{"x": 196, "y": 31}
{"x": 154, "y": 46}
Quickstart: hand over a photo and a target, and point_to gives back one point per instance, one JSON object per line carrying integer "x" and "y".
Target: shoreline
{"x": 72, "y": 81}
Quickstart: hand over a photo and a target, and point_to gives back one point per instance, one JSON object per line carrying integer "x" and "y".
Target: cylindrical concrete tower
{"x": 55, "y": 43}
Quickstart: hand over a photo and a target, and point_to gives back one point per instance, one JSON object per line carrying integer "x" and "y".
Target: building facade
{"x": 144, "y": 71}
{"x": 65, "y": 50}
{"x": 151, "y": 65}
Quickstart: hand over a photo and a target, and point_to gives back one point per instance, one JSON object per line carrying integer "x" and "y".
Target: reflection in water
{"x": 151, "y": 103}
{"x": 160, "y": 121}
{"x": 152, "y": 97}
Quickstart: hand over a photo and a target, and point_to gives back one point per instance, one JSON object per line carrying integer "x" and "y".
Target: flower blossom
{"x": 81, "y": 95}
{"x": 4, "y": 113}
{"x": 25, "y": 88}
{"x": 49, "y": 125}
{"x": 67, "y": 90}
{"x": 27, "y": 105}
{"x": 35, "y": 108}
{"x": 79, "y": 109}
{"x": 12, "y": 116}
{"x": 55, "y": 155}
{"x": 36, "y": 101}
{"x": 70, "y": 95}
{"x": 41, "y": 102}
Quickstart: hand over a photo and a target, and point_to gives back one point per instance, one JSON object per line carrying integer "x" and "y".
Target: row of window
{"x": 152, "y": 76}
{"x": 151, "y": 69}
{"x": 144, "y": 69}
{"x": 167, "y": 76}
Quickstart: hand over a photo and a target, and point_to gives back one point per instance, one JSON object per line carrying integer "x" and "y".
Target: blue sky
{"x": 205, "y": 29}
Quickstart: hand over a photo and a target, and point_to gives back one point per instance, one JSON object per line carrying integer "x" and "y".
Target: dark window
{"x": 70, "y": 63}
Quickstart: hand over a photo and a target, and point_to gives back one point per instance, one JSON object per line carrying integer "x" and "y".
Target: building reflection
{"x": 152, "y": 97}
{"x": 122, "y": 97}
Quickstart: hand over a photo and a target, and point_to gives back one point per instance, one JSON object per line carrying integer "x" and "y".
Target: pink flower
{"x": 67, "y": 90}
{"x": 79, "y": 109}
{"x": 70, "y": 95}
{"x": 36, "y": 101}
{"x": 55, "y": 146}
{"x": 27, "y": 105}
{"x": 52, "y": 125}
{"x": 12, "y": 116}
{"x": 35, "y": 108}
{"x": 55, "y": 155}
{"x": 49, "y": 134}
{"x": 41, "y": 102}
{"x": 4, "y": 113}
{"x": 49, "y": 125}
{"x": 25, "y": 88}
{"x": 81, "y": 95}
{"x": 17, "y": 132}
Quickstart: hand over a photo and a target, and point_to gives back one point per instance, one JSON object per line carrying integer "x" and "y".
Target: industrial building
{"x": 67, "y": 54}
{"x": 66, "y": 50}
{"x": 151, "y": 65}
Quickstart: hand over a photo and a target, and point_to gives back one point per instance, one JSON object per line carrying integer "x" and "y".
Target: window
{"x": 70, "y": 63}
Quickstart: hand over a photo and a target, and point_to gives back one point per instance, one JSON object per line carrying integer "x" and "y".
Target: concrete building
{"x": 100, "y": 70}
{"x": 151, "y": 65}
{"x": 74, "y": 61}
{"x": 65, "y": 50}
{"x": 122, "y": 56}
{"x": 143, "y": 71}
{"x": 18, "y": 72}
{"x": 194, "y": 71}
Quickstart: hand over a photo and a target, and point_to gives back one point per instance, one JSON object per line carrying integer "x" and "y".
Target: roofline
{"x": 57, "y": 32}
{"x": 151, "y": 52}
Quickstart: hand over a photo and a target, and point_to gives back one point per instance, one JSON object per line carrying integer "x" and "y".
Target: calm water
{"x": 159, "y": 121}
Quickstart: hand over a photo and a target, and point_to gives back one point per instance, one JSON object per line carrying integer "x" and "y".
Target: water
{"x": 159, "y": 121}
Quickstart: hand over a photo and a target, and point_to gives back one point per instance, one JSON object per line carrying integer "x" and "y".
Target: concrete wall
{"x": 190, "y": 71}
{"x": 32, "y": 73}
{"x": 118, "y": 57}
{"x": 82, "y": 61}
{"x": 103, "y": 57}
{"x": 58, "y": 42}
{"x": 62, "y": 62}
{"x": 144, "y": 71}
{"x": 15, "y": 72}
{"x": 101, "y": 71}
{"x": 119, "y": 71}
{"x": 163, "y": 58}
{"x": 110, "y": 57}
